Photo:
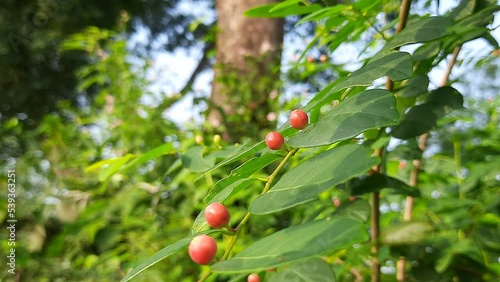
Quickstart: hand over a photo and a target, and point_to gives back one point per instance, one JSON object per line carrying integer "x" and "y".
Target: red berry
{"x": 336, "y": 202}
{"x": 274, "y": 140}
{"x": 299, "y": 119}
{"x": 202, "y": 249}
{"x": 217, "y": 215}
{"x": 254, "y": 277}
{"x": 352, "y": 198}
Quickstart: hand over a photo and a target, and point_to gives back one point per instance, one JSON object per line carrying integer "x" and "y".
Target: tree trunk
{"x": 243, "y": 101}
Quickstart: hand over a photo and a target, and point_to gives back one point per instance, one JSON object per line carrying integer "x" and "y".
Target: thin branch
{"x": 389, "y": 85}
{"x": 375, "y": 224}
{"x": 202, "y": 65}
{"x": 375, "y": 235}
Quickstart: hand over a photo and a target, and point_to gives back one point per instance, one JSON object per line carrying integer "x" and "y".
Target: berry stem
{"x": 247, "y": 215}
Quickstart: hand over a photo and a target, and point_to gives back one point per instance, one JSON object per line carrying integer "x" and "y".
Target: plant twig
{"x": 375, "y": 225}
{"x": 247, "y": 215}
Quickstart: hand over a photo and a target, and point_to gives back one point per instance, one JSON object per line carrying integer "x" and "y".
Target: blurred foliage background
{"x": 76, "y": 98}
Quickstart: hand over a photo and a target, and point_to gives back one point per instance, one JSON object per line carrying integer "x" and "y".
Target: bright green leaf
{"x": 303, "y": 182}
{"x": 323, "y": 13}
{"x": 370, "y": 109}
{"x": 423, "y": 117}
{"x": 269, "y": 11}
{"x": 414, "y": 87}
{"x": 296, "y": 243}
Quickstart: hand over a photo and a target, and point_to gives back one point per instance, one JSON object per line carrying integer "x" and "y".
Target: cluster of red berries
{"x": 298, "y": 120}
{"x": 203, "y": 248}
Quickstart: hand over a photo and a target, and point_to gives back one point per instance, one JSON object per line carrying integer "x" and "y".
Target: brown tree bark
{"x": 245, "y": 85}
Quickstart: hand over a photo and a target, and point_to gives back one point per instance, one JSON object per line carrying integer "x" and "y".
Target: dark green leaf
{"x": 375, "y": 182}
{"x": 162, "y": 254}
{"x": 302, "y": 183}
{"x": 112, "y": 167}
{"x": 323, "y": 13}
{"x": 419, "y": 30}
{"x": 311, "y": 270}
{"x": 296, "y": 243}
{"x": 414, "y": 87}
{"x": 370, "y": 109}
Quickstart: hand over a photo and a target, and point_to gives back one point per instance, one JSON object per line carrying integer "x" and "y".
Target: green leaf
{"x": 419, "y": 30}
{"x": 285, "y": 4}
{"x": 396, "y": 65}
{"x": 423, "y": 117}
{"x": 193, "y": 160}
{"x": 302, "y": 183}
{"x": 323, "y": 13}
{"x": 159, "y": 151}
{"x": 311, "y": 270}
{"x": 463, "y": 9}
{"x": 269, "y": 10}
{"x": 296, "y": 243}
{"x": 377, "y": 182}
{"x": 227, "y": 192}
{"x": 406, "y": 233}
{"x": 247, "y": 169}
{"x": 370, "y": 109}
{"x": 162, "y": 254}
{"x": 112, "y": 167}
{"x": 358, "y": 209}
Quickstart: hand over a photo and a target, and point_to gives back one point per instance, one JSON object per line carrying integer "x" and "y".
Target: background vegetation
{"x": 105, "y": 180}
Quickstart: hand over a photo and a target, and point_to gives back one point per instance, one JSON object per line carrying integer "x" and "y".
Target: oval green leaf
{"x": 370, "y": 109}
{"x": 377, "y": 182}
{"x": 302, "y": 183}
{"x": 296, "y": 243}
